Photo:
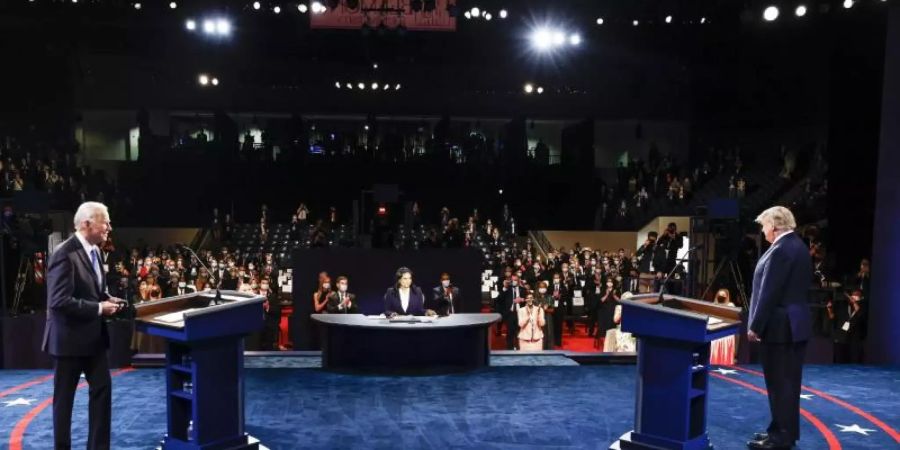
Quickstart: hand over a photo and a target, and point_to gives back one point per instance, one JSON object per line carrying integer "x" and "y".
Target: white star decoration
{"x": 18, "y": 401}
{"x": 807, "y": 396}
{"x": 855, "y": 429}
{"x": 725, "y": 371}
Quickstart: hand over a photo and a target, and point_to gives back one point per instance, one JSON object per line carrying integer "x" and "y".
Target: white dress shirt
{"x": 88, "y": 248}
{"x": 404, "y": 299}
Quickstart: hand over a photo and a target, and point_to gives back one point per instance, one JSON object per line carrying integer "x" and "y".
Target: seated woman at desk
{"x": 404, "y": 298}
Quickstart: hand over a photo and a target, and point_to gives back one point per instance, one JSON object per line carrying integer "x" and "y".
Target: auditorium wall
{"x": 614, "y": 138}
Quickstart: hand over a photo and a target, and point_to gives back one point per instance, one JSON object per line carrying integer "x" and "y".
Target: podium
{"x": 204, "y": 366}
{"x": 673, "y": 340}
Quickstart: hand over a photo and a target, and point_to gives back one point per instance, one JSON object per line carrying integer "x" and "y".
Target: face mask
{"x": 542, "y": 290}
{"x": 515, "y": 283}
{"x": 264, "y": 287}
{"x": 556, "y": 280}
{"x": 254, "y": 287}
{"x": 326, "y": 286}
{"x": 342, "y": 287}
{"x": 609, "y": 285}
{"x": 537, "y": 268}
{"x": 251, "y": 267}
{"x": 445, "y": 283}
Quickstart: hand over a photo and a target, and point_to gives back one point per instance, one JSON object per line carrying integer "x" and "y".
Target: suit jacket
{"x": 441, "y": 304}
{"x": 505, "y": 306}
{"x": 779, "y": 309}
{"x": 74, "y": 324}
{"x": 392, "y": 303}
{"x": 334, "y": 300}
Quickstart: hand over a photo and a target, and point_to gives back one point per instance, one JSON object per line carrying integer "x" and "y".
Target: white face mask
{"x": 264, "y": 287}
{"x": 542, "y": 290}
{"x": 515, "y": 283}
{"x": 445, "y": 283}
{"x": 182, "y": 284}
{"x": 342, "y": 287}
{"x": 326, "y": 286}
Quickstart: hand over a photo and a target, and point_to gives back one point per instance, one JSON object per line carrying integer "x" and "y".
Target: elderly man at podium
{"x": 781, "y": 323}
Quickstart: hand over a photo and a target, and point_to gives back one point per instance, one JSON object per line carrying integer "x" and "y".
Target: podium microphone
{"x": 218, "y": 299}
{"x": 687, "y": 255}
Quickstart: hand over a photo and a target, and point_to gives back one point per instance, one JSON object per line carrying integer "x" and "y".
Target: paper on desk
{"x": 713, "y": 321}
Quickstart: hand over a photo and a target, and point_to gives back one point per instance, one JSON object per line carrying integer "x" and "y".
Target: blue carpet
{"x": 495, "y": 408}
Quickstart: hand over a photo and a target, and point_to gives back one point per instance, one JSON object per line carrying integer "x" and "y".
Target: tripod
{"x": 26, "y": 267}
{"x": 735, "y": 272}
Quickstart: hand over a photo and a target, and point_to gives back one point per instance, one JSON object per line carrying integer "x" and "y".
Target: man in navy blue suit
{"x": 780, "y": 322}
{"x": 76, "y": 335}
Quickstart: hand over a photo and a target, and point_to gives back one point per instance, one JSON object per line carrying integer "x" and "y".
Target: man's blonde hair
{"x": 779, "y": 216}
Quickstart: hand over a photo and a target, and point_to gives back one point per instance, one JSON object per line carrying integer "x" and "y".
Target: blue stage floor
{"x": 502, "y": 407}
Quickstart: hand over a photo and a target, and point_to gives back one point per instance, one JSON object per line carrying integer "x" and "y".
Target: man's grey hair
{"x": 779, "y": 216}
{"x": 89, "y": 211}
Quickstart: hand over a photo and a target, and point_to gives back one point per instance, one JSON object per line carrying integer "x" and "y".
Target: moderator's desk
{"x": 358, "y": 342}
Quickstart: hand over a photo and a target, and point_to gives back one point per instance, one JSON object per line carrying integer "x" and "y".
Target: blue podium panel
{"x": 673, "y": 337}
{"x": 204, "y": 366}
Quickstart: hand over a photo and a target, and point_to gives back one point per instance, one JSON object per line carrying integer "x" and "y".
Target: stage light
{"x": 528, "y": 88}
{"x": 500, "y": 191}
{"x": 276, "y": 10}
{"x": 503, "y": 13}
{"x": 599, "y": 21}
{"x": 337, "y": 84}
{"x": 203, "y": 79}
{"x": 137, "y": 6}
{"x": 173, "y": 5}
{"x": 575, "y": 39}
{"x": 476, "y": 12}
{"x": 382, "y": 211}
{"x": 215, "y": 81}
{"x": 467, "y": 15}
{"x": 386, "y": 86}
{"x": 209, "y": 27}
{"x": 703, "y": 20}
{"x": 397, "y": 87}
{"x": 800, "y": 11}
{"x": 256, "y": 6}
{"x": 668, "y": 19}
{"x": 349, "y": 86}
{"x": 318, "y": 8}
{"x": 770, "y": 14}
{"x": 374, "y": 86}
{"x": 361, "y": 85}
{"x": 541, "y": 39}
{"x": 302, "y": 8}
{"x": 366, "y": 127}
{"x": 375, "y": 66}
{"x": 488, "y": 16}
{"x": 635, "y": 22}
{"x": 559, "y": 38}
{"x": 540, "y": 90}
{"x": 190, "y": 25}
{"x": 74, "y": 1}
{"x": 223, "y": 27}
{"x": 848, "y": 4}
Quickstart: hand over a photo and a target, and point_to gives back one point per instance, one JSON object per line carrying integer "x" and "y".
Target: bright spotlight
{"x": 256, "y": 6}
{"x": 190, "y": 25}
{"x": 386, "y": 86}
{"x": 366, "y": 127}
{"x": 800, "y": 11}
{"x": 223, "y": 27}
{"x": 209, "y": 27}
{"x": 337, "y": 84}
{"x": 575, "y": 39}
{"x": 74, "y": 1}
{"x": 541, "y": 39}
{"x": 668, "y": 19}
{"x": 540, "y": 90}
{"x": 559, "y": 38}
{"x": 503, "y": 13}
{"x": 302, "y": 8}
{"x": 635, "y": 22}
{"x": 361, "y": 85}
{"x": 599, "y": 21}
{"x": 215, "y": 81}
{"x": 468, "y": 15}
{"x": 276, "y": 10}
{"x": 137, "y": 6}
{"x": 203, "y": 79}
{"x": 703, "y": 20}
{"x": 173, "y": 5}
{"x": 349, "y": 86}
{"x": 374, "y": 86}
{"x": 770, "y": 14}
{"x": 529, "y": 88}
{"x": 318, "y": 8}
{"x": 476, "y": 12}
{"x": 848, "y": 4}
{"x": 397, "y": 87}
{"x": 488, "y": 16}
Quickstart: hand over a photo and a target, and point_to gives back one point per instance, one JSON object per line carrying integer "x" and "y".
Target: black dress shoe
{"x": 768, "y": 445}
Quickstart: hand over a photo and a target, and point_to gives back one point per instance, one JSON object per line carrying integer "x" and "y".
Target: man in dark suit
{"x": 76, "y": 334}
{"x": 444, "y": 298}
{"x": 342, "y": 301}
{"x": 510, "y": 299}
{"x": 780, "y": 321}
{"x": 561, "y": 300}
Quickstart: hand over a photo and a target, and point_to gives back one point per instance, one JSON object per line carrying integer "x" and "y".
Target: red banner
{"x": 390, "y": 14}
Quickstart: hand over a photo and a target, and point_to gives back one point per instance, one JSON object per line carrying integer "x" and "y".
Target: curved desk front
{"x": 358, "y": 342}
